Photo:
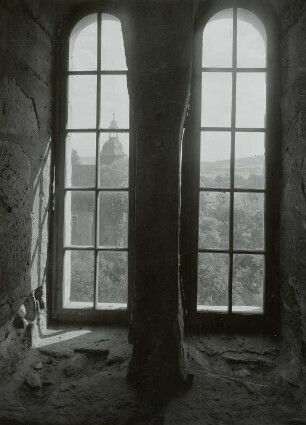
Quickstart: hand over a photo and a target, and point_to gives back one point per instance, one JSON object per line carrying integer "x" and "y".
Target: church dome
{"x": 112, "y": 147}
{"x": 113, "y": 125}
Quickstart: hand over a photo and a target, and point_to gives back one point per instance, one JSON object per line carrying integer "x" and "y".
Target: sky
{"x": 216, "y": 87}
{"x": 82, "y": 88}
{"x": 216, "y": 146}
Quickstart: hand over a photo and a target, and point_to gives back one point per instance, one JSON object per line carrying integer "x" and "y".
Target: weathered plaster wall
{"x": 26, "y": 52}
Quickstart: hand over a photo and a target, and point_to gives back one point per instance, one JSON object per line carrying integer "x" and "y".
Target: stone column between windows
{"x": 158, "y": 43}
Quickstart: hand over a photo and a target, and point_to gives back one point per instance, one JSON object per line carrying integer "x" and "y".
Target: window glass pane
{"x": 218, "y": 40}
{"x": 83, "y": 45}
{"x": 80, "y": 159}
{"x": 79, "y": 207}
{"x": 215, "y": 159}
{"x": 212, "y": 282}
{"x": 114, "y": 160}
{"x": 248, "y": 283}
{"x": 213, "y": 220}
{"x": 216, "y": 99}
{"x": 113, "y": 219}
{"x": 79, "y": 279}
{"x": 251, "y": 39}
{"x": 114, "y": 99}
{"x": 249, "y": 221}
{"x": 113, "y": 279}
{"x": 112, "y": 48}
{"x": 251, "y": 100}
{"x": 250, "y": 160}
{"x": 82, "y": 101}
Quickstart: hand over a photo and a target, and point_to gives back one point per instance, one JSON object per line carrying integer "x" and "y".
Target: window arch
{"x": 94, "y": 174}
{"x": 230, "y": 263}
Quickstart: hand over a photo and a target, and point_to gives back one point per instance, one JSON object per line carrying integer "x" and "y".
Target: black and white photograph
{"x": 152, "y": 212}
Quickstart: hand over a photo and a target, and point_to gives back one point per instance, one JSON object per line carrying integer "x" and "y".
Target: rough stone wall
{"x": 293, "y": 208}
{"x": 26, "y": 52}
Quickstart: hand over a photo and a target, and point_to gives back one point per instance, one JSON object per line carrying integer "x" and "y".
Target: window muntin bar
{"x": 97, "y": 206}
{"x": 246, "y": 70}
{"x": 101, "y": 130}
{"x": 232, "y": 172}
{"x": 235, "y": 251}
{"x": 104, "y": 72}
{"x": 220, "y": 189}
{"x": 91, "y": 248}
{"x": 236, "y": 181}
{"x": 237, "y": 129}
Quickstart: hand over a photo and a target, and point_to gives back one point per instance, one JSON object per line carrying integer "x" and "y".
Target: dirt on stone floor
{"x": 78, "y": 377}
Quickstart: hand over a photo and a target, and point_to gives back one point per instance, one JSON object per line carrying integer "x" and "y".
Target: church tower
{"x": 112, "y": 150}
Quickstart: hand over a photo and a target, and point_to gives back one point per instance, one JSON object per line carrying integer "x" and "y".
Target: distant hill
{"x": 218, "y": 172}
{"x": 250, "y": 162}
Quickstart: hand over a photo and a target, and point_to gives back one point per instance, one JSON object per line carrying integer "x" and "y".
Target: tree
{"x": 248, "y": 270}
{"x": 75, "y": 159}
{"x": 113, "y": 224}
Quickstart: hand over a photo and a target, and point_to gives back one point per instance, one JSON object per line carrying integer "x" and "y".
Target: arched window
{"x": 231, "y": 257}
{"x": 94, "y": 177}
